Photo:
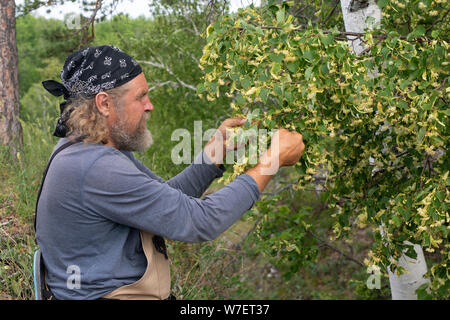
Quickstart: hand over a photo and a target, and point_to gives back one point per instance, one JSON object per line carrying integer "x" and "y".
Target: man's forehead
{"x": 137, "y": 86}
{"x": 140, "y": 83}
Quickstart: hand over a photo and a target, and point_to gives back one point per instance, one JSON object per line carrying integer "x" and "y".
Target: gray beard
{"x": 139, "y": 140}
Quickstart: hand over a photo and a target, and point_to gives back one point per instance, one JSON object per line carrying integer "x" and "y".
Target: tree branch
{"x": 160, "y": 65}
{"x": 326, "y": 244}
{"x": 331, "y": 13}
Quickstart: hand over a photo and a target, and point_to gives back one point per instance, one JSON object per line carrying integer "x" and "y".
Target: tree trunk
{"x": 10, "y": 128}
{"x": 355, "y": 13}
{"x": 404, "y": 287}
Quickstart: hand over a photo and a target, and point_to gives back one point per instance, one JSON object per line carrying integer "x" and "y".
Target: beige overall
{"x": 155, "y": 283}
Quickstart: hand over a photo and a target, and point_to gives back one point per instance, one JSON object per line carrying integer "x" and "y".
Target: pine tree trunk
{"x": 10, "y": 128}
{"x": 355, "y": 13}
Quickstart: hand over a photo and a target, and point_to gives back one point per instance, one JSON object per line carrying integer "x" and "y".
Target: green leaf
{"x": 276, "y": 57}
{"x": 235, "y": 76}
{"x": 308, "y": 73}
{"x": 382, "y": 3}
{"x": 280, "y": 16}
{"x": 288, "y": 96}
{"x": 419, "y": 31}
{"x": 440, "y": 195}
{"x": 371, "y": 191}
{"x": 263, "y": 78}
{"x": 245, "y": 83}
{"x": 200, "y": 88}
{"x": 252, "y": 115}
{"x": 327, "y": 40}
{"x": 264, "y": 94}
{"x": 259, "y": 31}
{"x": 404, "y": 84}
{"x": 276, "y": 68}
{"x": 240, "y": 99}
{"x": 309, "y": 55}
{"x": 397, "y": 221}
{"x": 209, "y": 68}
{"x": 293, "y": 66}
{"x": 420, "y": 135}
{"x": 411, "y": 252}
{"x": 422, "y": 293}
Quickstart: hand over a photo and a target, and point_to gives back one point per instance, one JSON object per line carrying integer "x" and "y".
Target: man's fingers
{"x": 234, "y": 122}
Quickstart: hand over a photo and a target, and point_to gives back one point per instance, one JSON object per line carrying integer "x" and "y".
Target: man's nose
{"x": 148, "y": 105}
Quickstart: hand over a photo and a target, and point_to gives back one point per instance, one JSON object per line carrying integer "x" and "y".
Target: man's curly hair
{"x": 85, "y": 119}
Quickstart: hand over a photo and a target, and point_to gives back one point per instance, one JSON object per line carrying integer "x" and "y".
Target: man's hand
{"x": 217, "y": 147}
{"x": 285, "y": 150}
{"x": 286, "y": 147}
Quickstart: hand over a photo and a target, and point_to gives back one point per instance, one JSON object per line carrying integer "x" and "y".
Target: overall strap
{"x": 61, "y": 148}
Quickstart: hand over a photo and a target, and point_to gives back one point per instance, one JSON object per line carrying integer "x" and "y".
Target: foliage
{"x": 285, "y": 235}
{"x": 35, "y": 44}
{"x": 388, "y": 167}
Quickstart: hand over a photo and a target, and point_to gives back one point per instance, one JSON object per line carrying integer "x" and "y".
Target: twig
{"x": 425, "y": 164}
{"x": 335, "y": 249}
{"x": 7, "y": 234}
{"x": 90, "y": 21}
{"x": 5, "y": 223}
{"x": 331, "y": 13}
{"x": 161, "y": 65}
{"x": 435, "y": 22}
{"x": 272, "y": 194}
{"x": 358, "y": 35}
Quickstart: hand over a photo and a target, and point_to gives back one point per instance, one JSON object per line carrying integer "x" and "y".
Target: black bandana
{"x": 88, "y": 72}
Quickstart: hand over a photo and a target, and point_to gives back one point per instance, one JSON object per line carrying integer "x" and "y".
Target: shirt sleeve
{"x": 115, "y": 189}
{"x": 194, "y": 179}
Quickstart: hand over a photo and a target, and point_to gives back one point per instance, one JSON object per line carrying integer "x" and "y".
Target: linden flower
{"x": 422, "y": 229}
{"x": 335, "y": 99}
{"x": 290, "y": 58}
{"x": 310, "y": 171}
{"x": 251, "y": 91}
{"x": 422, "y": 5}
{"x": 233, "y": 106}
{"x": 239, "y": 168}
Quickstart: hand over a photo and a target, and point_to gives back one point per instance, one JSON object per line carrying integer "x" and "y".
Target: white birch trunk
{"x": 402, "y": 287}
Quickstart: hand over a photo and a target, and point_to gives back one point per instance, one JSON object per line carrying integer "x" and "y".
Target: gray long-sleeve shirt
{"x": 95, "y": 199}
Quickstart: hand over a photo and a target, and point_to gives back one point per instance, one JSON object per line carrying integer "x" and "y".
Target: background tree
{"x": 10, "y": 129}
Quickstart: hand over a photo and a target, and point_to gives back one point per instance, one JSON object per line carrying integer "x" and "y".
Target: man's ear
{"x": 103, "y": 103}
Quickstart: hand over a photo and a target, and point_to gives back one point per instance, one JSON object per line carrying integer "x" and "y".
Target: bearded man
{"x": 102, "y": 215}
